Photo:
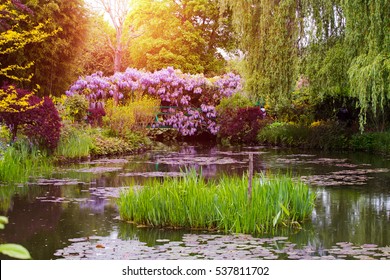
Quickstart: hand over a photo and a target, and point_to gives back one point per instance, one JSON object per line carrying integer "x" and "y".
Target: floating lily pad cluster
{"x": 356, "y": 174}
{"x": 215, "y": 247}
{"x": 200, "y": 160}
{"x": 343, "y": 177}
{"x": 153, "y": 174}
{"x": 58, "y": 182}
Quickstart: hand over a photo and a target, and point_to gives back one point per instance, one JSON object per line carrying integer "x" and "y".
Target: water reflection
{"x": 345, "y": 214}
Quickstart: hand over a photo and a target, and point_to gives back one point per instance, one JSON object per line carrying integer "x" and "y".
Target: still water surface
{"x": 72, "y": 213}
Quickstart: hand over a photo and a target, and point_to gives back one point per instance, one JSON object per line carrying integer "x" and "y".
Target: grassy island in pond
{"x": 193, "y": 202}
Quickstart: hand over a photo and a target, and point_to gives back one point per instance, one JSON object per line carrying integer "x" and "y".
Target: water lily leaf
{"x": 15, "y": 251}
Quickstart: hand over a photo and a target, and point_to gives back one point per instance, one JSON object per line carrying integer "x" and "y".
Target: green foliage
{"x": 120, "y": 119}
{"x": 54, "y": 59}
{"x": 76, "y": 107}
{"x": 374, "y": 142}
{"x": 268, "y": 35}
{"x": 96, "y": 54}
{"x": 326, "y": 65}
{"x": 237, "y": 100}
{"x": 131, "y": 116}
{"x": 183, "y": 34}
{"x": 18, "y": 31}
{"x": 5, "y": 137}
{"x": 340, "y": 46}
{"x": 75, "y": 142}
{"x": 103, "y": 144}
{"x": 367, "y": 36}
{"x": 193, "y": 202}
{"x": 328, "y": 135}
{"x": 320, "y": 135}
{"x": 20, "y": 161}
{"x": 81, "y": 141}
{"x": 370, "y": 83}
{"x": 164, "y": 135}
{"x": 13, "y": 250}
{"x": 283, "y": 134}
{"x": 300, "y": 109}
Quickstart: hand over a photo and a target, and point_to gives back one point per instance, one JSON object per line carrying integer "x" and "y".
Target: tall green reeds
{"x": 74, "y": 144}
{"x": 193, "y": 202}
{"x": 21, "y": 161}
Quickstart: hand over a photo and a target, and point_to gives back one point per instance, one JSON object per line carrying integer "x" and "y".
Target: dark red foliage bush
{"x": 44, "y": 124}
{"x": 96, "y": 113}
{"x": 241, "y": 125}
{"x": 41, "y": 124}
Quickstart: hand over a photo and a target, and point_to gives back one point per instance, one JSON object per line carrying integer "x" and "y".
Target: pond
{"x": 73, "y": 215}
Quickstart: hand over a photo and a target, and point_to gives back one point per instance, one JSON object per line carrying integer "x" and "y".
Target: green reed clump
{"x": 21, "y": 161}
{"x": 193, "y": 202}
{"x": 74, "y": 143}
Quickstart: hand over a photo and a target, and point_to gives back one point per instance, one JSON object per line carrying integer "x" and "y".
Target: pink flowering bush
{"x": 191, "y": 98}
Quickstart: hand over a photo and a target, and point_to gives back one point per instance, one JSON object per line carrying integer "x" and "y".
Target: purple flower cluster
{"x": 193, "y": 97}
{"x": 95, "y": 87}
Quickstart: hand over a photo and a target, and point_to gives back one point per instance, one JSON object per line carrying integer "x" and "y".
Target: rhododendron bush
{"x": 190, "y": 99}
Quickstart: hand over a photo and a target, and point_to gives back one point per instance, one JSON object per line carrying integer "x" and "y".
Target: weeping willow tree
{"x": 368, "y": 39}
{"x": 268, "y": 32}
{"x": 324, "y": 58}
{"x": 341, "y": 46}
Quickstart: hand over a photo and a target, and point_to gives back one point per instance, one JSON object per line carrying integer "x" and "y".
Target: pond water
{"x": 72, "y": 214}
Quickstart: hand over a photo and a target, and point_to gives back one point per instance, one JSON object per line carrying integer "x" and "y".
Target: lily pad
{"x": 57, "y": 182}
{"x": 199, "y": 160}
{"x": 99, "y": 169}
{"x": 153, "y": 174}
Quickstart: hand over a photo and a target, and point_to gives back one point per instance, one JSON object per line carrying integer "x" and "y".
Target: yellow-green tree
{"x": 14, "y": 36}
{"x": 185, "y": 34}
{"x": 13, "y": 18}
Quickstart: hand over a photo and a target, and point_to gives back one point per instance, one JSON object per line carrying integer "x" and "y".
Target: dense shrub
{"x": 144, "y": 110}
{"x": 15, "y": 115}
{"x": 299, "y": 108}
{"x": 376, "y": 142}
{"x": 103, "y": 145}
{"x": 96, "y": 113}
{"x": 132, "y": 116}
{"x": 283, "y": 134}
{"x": 328, "y": 135}
{"x": 76, "y": 107}
{"x": 237, "y": 100}
{"x": 119, "y": 119}
{"x": 41, "y": 123}
{"x": 319, "y": 135}
{"x": 240, "y": 125}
